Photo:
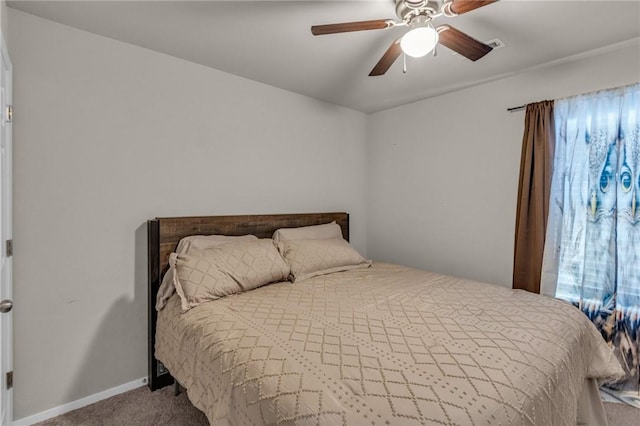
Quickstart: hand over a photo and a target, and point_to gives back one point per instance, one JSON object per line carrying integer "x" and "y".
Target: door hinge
{"x": 9, "y": 248}
{"x": 9, "y": 379}
{"x": 9, "y": 113}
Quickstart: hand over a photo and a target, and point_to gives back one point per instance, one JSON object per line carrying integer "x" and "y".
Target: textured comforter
{"x": 384, "y": 345}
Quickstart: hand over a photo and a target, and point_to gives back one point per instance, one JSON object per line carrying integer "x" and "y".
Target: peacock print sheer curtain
{"x": 592, "y": 247}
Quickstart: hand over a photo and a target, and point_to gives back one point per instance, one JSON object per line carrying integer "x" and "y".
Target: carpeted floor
{"x": 160, "y": 408}
{"x": 137, "y": 407}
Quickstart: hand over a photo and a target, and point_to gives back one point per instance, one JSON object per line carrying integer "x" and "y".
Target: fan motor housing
{"x": 407, "y": 9}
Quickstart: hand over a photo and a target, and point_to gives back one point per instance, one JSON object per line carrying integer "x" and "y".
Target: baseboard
{"x": 74, "y": 405}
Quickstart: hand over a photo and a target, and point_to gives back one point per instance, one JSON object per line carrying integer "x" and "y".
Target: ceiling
{"x": 271, "y": 42}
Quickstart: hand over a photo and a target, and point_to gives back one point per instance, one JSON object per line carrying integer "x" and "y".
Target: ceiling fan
{"x": 422, "y": 37}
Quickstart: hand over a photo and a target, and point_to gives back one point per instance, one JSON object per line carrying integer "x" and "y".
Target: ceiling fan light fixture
{"x": 419, "y": 41}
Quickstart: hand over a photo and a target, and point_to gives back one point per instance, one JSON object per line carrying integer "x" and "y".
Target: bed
{"x": 381, "y": 345}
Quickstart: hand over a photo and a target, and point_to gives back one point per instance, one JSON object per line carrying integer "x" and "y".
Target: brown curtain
{"x": 536, "y": 164}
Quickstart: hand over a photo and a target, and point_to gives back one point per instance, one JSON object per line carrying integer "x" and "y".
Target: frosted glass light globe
{"x": 419, "y": 41}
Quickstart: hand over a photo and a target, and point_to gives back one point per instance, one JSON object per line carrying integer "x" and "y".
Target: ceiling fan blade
{"x": 378, "y": 24}
{"x": 461, "y": 43}
{"x": 387, "y": 59}
{"x": 458, "y": 7}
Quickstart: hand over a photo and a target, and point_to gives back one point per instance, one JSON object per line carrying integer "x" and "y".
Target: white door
{"x": 6, "y": 260}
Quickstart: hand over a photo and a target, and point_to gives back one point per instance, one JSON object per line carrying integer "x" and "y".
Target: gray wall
{"x": 109, "y": 135}
{"x": 443, "y": 172}
{"x": 3, "y": 18}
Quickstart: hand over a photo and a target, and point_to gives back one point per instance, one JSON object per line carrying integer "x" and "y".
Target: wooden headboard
{"x": 165, "y": 233}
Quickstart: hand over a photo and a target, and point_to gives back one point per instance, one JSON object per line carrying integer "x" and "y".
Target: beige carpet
{"x": 142, "y": 407}
{"x": 136, "y": 407}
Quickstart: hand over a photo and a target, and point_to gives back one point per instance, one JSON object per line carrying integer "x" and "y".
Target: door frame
{"x": 6, "y": 233}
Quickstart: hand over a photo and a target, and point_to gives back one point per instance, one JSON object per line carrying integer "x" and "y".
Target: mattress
{"x": 385, "y": 345}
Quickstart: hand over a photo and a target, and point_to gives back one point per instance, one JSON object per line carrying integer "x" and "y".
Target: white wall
{"x": 443, "y": 172}
{"x": 108, "y": 135}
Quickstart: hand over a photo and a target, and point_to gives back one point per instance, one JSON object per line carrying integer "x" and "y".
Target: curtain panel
{"x": 592, "y": 248}
{"x": 534, "y": 185}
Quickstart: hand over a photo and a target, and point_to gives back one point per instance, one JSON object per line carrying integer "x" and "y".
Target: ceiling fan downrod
{"x": 407, "y": 10}
{"x": 416, "y": 4}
